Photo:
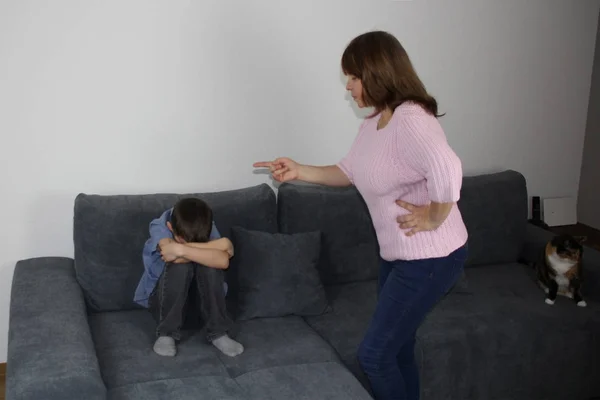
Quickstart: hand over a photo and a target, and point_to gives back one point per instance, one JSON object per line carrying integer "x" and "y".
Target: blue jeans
{"x": 408, "y": 290}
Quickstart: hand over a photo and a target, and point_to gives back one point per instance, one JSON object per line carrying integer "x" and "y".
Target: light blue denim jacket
{"x": 153, "y": 263}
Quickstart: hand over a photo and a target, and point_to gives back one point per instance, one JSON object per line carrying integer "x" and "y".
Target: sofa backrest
{"x": 349, "y": 249}
{"x": 110, "y": 231}
{"x": 494, "y": 209}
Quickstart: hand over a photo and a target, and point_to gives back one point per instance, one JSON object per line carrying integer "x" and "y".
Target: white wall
{"x": 589, "y": 190}
{"x": 147, "y": 96}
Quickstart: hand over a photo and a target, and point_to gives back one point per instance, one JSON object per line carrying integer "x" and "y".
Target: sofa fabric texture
{"x": 350, "y": 251}
{"x": 276, "y": 274}
{"x": 303, "y": 288}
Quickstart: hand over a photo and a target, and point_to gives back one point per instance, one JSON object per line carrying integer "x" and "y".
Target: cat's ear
{"x": 580, "y": 239}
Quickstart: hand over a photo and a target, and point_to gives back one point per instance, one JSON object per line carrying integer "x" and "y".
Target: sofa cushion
{"x": 110, "y": 231}
{"x": 502, "y": 339}
{"x": 277, "y": 342}
{"x": 496, "y": 340}
{"x": 515, "y": 285}
{"x": 190, "y": 388}
{"x": 275, "y": 274}
{"x": 350, "y": 250}
{"x": 353, "y": 305}
{"x": 494, "y": 209}
{"x": 124, "y": 342}
{"x": 303, "y": 381}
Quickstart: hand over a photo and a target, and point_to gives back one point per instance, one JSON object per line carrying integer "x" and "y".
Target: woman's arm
{"x": 285, "y": 169}
{"x": 427, "y": 217}
{"x": 425, "y": 149}
{"x": 438, "y": 212}
{"x": 330, "y": 175}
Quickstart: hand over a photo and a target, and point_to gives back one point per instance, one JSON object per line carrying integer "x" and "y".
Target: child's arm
{"x": 209, "y": 257}
{"x": 222, "y": 244}
{"x": 215, "y": 242}
{"x": 212, "y": 258}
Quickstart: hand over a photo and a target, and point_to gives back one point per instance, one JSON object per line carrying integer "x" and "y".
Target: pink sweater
{"x": 408, "y": 159}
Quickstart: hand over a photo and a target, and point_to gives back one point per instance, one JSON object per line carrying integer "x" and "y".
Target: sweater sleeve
{"x": 345, "y": 164}
{"x": 428, "y": 152}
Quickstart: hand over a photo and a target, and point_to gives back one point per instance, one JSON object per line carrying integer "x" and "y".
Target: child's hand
{"x": 171, "y": 251}
{"x": 163, "y": 242}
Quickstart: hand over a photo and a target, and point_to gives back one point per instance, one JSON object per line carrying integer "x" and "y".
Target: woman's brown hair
{"x": 378, "y": 59}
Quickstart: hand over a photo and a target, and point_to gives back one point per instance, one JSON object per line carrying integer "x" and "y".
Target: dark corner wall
{"x": 588, "y": 205}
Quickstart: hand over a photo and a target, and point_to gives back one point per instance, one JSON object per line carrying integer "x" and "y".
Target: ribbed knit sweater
{"x": 409, "y": 159}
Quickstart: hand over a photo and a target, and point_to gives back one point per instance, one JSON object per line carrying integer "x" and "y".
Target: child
{"x": 184, "y": 253}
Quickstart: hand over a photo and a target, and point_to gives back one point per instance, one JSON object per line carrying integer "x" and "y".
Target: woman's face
{"x": 354, "y": 85}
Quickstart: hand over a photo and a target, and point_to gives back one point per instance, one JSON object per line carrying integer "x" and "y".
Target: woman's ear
{"x": 170, "y": 226}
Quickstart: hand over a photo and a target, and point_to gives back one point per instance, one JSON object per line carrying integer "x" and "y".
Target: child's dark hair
{"x": 191, "y": 219}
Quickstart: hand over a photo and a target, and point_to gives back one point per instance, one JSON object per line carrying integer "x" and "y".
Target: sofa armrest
{"x": 535, "y": 240}
{"x": 51, "y": 353}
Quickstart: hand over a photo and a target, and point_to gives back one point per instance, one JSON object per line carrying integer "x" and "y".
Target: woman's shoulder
{"x": 411, "y": 117}
{"x": 413, "y": 109}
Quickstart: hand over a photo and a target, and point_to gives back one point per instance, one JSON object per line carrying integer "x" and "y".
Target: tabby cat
{"x": 559, "y": 272}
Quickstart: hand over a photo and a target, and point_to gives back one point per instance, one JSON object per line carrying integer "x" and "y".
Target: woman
{"x": 410, "y": 179}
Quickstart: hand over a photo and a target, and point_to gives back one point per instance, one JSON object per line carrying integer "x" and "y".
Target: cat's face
{"x": 567, "y": 248}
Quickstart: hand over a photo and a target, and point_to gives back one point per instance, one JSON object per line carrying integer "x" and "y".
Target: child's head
{"x": 191, "y": 221}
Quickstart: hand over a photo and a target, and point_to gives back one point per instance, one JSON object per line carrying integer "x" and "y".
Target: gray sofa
{"x": 76, "y": 334}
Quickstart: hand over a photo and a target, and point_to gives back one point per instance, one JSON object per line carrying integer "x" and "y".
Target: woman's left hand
{"x": 418, "y": 220}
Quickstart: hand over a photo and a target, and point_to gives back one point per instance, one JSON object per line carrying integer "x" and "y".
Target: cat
{"x": 560, "y": 269}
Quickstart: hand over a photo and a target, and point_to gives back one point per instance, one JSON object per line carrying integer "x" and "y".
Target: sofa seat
{"x": 282, "y": 351}
{"x": 195, "y": 387}
{"x": 493, "y": 335}
{"x": 352, "y": 305}
{"x": 327, "y": 380}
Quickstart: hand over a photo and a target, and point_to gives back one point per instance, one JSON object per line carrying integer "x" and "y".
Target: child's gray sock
{"x": 165, "y": 346}
{"x": 228, "y": 346}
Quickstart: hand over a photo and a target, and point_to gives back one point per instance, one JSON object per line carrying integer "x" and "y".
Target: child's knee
{"x": 179, "y": 272}
{"x": 211, "y": 276}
